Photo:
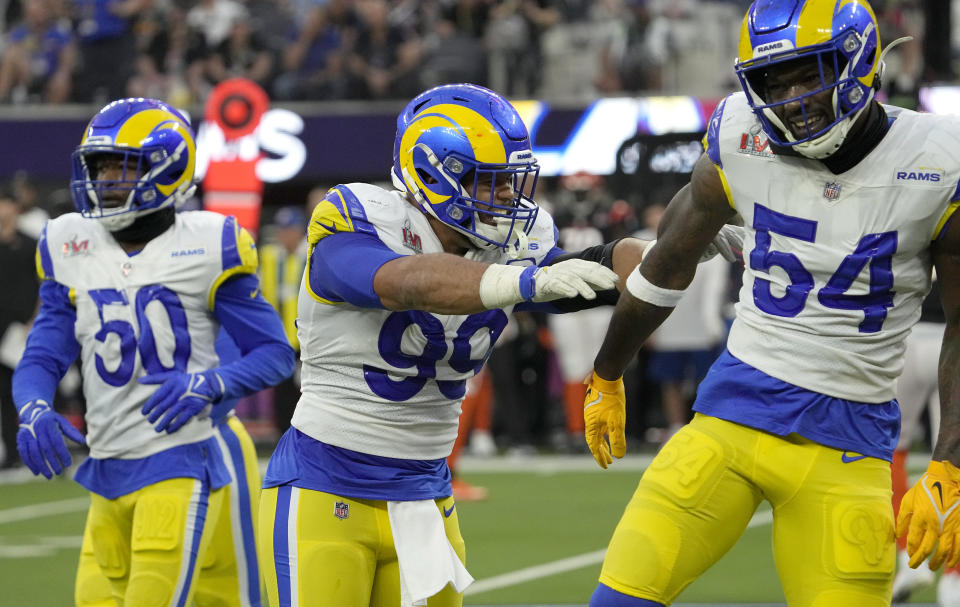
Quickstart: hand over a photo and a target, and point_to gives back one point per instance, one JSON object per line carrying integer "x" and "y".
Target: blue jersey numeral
{"x": 874, "y": 249}
{"x": 123, "y": 330}
{"x": 146, "y": 345}
{"x": 435, "y": 349}
{"x": 762, "y": 258}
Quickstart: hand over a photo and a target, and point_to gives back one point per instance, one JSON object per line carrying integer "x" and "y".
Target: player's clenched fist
{"x": 604, "y": 416}
{"x": 930, "y": 517}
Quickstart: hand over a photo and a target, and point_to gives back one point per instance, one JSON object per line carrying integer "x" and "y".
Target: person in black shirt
{"x": 19, "y": 279}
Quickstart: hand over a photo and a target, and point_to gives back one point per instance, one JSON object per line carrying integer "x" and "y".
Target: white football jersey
{"x": 142, "y": 314}
{"x": 836, "y": 265}
{"x": 390, "y": 383}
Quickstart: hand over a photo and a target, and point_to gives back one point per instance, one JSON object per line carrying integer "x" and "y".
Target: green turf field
{"x": 537, "y": 540}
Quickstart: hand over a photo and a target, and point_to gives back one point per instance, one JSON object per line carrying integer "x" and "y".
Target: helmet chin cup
{"x": 115, "y": 223}
{"x": 824, "y": 145}
{"x": 504, "y": 230}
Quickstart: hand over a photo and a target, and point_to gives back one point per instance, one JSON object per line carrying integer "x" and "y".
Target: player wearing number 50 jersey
{"x": 847, "y": 205}
{"x": 404, "y": 294}
{"x": 139, "y": 293}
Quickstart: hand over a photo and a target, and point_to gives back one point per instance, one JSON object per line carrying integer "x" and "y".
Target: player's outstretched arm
{"x": 692, "y": 220}
{"x": 51, "y": 349}
{"x": 623, "y": 256}
{"x": 448, "y": 284}
{"x": 930, "y": 510}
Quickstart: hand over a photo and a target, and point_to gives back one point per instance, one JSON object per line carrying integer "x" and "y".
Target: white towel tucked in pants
{"x": 427, "y": 560}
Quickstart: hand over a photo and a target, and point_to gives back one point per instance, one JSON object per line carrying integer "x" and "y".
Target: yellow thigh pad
{"x": 148, "y": 543}
{"x": 92, "y": 588}
{"x": 833, "y": 532}
{"x": 690, "y": 507}
{"x": 303, "y": 532}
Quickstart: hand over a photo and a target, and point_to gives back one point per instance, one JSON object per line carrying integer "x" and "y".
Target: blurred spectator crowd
{"x": 91, "y": 51}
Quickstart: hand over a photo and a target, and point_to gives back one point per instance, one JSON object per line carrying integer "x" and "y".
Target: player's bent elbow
{"x": 286, "y": 360}
{"x": 627, "y": 255}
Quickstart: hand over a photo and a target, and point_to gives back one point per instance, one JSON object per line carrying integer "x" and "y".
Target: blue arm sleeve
{"x": 342, "y": 267}
{"x": 266, "y": 356}
{"x": 51, "y": 346}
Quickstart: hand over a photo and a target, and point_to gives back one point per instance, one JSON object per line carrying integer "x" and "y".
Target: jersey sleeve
{"x": 341, "y": 269}
{"x": 948, "y": 214}
{"x": 711, "y": 139}
{"x": 44, "y": 261}
{"x": 711, "y": 147}
{"x": 238, "y": 255}
{"x": 340, "y": 211}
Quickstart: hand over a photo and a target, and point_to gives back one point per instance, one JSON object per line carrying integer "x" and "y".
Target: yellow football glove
{"x": 604, "y": 416}
{"x": 930, "y": 517}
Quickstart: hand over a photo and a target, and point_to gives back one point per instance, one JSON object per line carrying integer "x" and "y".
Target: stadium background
{"x": 616, "y": 94}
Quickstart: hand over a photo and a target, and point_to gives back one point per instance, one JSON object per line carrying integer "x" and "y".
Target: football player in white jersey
{"x": 404, "y": 294}
{"x": 847, "y": 205}
{"x": 139, "y": 293}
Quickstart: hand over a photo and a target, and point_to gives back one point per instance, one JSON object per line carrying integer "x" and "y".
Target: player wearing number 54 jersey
{"x": 139, "y": 293}
{"x": 847, "y": 205}
{"x": 404, "y": 295}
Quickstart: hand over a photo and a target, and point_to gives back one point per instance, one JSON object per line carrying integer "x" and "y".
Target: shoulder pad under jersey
{"x": 339, "y": 211}
{"x": 238, "y": 254}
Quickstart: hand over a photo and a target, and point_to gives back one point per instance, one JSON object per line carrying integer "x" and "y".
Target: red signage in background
{"x": 233, "y": 142}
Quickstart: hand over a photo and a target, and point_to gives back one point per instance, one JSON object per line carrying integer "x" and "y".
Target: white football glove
{"x": 503, "y": 285}
{"x": 571, "y": 278}
{"x": 728, "y": 243}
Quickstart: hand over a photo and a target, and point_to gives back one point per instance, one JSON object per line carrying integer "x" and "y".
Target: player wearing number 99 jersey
{"x": 139, "y": 293}
{"x": 404, "y": 295}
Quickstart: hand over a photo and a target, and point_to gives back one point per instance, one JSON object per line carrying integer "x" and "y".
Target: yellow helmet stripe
{"x": 745, "y": 52}
{"x": 477, "y": 129}
{"x": 136, "y": 128}
{"x": 868, "y": 79}
{"x": 814, "y": 22}
{"x": 487, "y": 146}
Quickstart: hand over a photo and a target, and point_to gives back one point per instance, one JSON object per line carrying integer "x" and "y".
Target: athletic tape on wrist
{"x": 641, "y": 288}
{"x": 503, "y": 285}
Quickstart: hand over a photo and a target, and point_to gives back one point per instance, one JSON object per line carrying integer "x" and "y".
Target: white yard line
{"x": 25, "y": 513}
{"x": 15, "y": 548}
{"x": 536, "y": 572}
{"x": 548, "y": 464}
{"x": 569, "y": 564}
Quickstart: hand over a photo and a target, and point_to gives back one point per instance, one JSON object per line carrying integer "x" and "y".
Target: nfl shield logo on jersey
{"x": 831, "y": 191}
{"x": 341, "y": 510}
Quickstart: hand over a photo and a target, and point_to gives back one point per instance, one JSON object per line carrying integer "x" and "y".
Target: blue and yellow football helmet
{"x": 839, "y": 34}
{"x": 154, "y": 148}
{"x": 450, "y": 139}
